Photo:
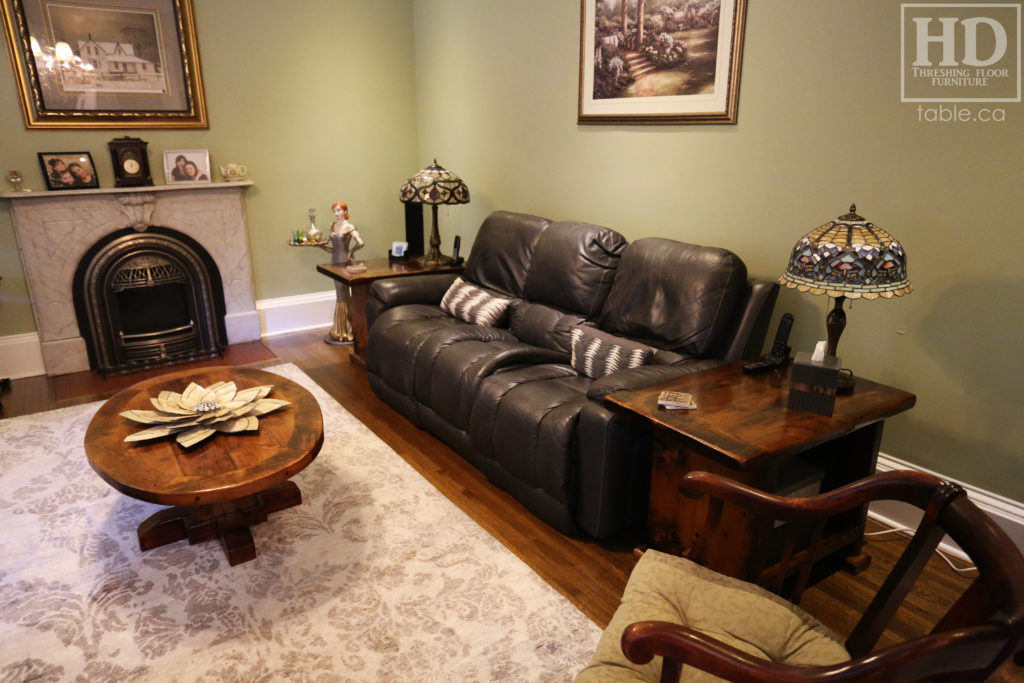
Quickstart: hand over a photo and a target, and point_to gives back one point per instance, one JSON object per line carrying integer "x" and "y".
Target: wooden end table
{"x": 742, "y": 429}
{"x": 360, "y": 281}
{"x": 220, "y": 487}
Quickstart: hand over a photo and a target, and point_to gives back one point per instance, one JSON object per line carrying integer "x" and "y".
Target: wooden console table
{"x": 360, "y": 281}
{"x": 742, "y": 429}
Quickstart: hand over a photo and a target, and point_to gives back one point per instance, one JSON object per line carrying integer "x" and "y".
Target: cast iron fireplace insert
{"x": 148, "y": 298}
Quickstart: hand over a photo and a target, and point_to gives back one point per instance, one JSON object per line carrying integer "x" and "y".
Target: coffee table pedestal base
{"x": 228, "y": 521}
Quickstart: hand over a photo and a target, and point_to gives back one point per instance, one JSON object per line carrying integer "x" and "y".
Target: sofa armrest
{"x": 746, "y": 337}
{"x": 399, "y": 291}
{"x": 646, "y": 375}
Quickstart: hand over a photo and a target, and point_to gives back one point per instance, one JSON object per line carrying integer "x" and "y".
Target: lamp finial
{"x": 852, "y": 216}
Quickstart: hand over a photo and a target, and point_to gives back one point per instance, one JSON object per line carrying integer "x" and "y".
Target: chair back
{"x": 983, "y": 628}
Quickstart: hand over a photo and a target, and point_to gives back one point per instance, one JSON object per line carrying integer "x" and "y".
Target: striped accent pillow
{"x": 596, "y": 353}
{"x": 473, "y": 304}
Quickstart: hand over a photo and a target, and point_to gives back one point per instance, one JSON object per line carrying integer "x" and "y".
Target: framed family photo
{"x": 105, "y": 64}
{"x": 68, "y": 170}
{"x": 186, "y": 166}
{"x": 660, "y": 61}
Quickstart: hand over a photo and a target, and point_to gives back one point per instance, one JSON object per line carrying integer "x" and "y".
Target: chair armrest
{"x": 913, "y": 487}
{"x": 968, "y": 649}
{"x": 645, "y": 376}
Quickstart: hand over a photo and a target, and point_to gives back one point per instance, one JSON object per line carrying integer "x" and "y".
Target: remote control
{"x": 779, "y": 354}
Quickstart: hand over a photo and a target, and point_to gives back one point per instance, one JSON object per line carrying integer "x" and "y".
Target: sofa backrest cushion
{"x": 502, "y": 251}
{"x": 474, "y": 305}
{"x": 596, "y": 353}
{"x": 675, "y": 296}
{"x": 573, "y": 267}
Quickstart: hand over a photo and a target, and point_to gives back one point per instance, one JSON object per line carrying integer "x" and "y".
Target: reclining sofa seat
{"x": 403, "y": 313}
{"x": 509, "y": 400}
{"x": 544, "y": 434}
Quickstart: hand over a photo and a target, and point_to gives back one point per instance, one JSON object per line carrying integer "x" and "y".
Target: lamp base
{"x": 434, "y": 260}
{"x": 846, "y": 382}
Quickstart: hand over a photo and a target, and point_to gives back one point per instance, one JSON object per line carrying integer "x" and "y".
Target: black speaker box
{"x": 414, "y": 228}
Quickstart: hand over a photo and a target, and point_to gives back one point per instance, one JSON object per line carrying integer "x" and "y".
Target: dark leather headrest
{"x": 574, "y": 266}
{"x": 675, "y": 296}
{"x": 502, "y": 251}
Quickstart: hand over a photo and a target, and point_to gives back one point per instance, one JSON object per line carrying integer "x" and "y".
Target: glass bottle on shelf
{"x": 313, "y": 235}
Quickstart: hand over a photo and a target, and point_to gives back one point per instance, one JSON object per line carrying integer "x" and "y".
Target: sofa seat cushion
{"x": 475, "y": 305}
{"x": 596, "y": 353}
{"x": 674, "y": 589}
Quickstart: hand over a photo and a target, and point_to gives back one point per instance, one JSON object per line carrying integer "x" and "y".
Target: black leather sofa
{"x": 513, "y": 399}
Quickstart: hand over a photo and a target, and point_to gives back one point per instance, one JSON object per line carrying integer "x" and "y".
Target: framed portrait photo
{"x": 105, "y": 64}
{"x": 670, "y": 62}
{"x": 186, "y": 166}
{"x": 68, "y": 170}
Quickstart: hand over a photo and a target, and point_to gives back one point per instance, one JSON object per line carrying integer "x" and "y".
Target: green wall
{"x": 337, "y": 99}
{"x": 315, "y": 97}
{"x": 820, "y": 126}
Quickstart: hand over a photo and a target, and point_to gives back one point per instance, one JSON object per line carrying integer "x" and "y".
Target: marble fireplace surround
{"x": 54, "y": 230}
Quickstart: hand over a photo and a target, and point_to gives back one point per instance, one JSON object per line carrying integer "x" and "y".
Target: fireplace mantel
{"x": 55, "y": 229}
{"x": 187, "y": 187}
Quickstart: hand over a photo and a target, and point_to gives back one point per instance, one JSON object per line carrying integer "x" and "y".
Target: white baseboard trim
{"x": 21, "y": 355}
{"x": 1008, "y": 514}
{"x": 296, "y": 313}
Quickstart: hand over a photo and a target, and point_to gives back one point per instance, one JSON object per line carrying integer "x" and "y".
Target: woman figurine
{"x": 345, "y": 241}
{"x": 351, "y": 239}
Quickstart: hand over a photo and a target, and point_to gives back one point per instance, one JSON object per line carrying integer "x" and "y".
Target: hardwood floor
{"x": 589, "y": 573}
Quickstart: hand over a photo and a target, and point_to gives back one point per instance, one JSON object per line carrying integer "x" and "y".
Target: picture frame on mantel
{"x": 68, "y": 170}
{"x": 186, "y": 166}
{"x": 105, "y": 64}
{"x": 683, "y": 69}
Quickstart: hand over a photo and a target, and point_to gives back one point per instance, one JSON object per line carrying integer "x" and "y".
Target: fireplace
{"x": 187, "y": 292}
{"x": 148, "y": 298}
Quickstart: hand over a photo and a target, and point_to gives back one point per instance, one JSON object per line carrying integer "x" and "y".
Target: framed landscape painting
{"x": 105, "y": 64}
{"x": 660, "y": 61}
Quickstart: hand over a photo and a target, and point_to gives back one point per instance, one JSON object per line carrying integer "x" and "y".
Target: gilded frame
{"x": 699, "y": 86}
{"x": 132, "y": 63}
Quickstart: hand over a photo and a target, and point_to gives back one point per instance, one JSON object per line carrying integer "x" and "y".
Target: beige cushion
{"x": 668, "y": 588}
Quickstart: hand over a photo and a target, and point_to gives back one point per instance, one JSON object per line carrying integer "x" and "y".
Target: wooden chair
{"x": 982, "y": 629}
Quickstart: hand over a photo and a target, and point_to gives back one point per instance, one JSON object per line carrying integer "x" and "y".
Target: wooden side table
{"x": 742, "y": 429}
{"x": 360, "y": 281}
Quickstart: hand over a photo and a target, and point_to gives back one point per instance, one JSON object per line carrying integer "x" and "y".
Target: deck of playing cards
{"x": 676, "y": 400}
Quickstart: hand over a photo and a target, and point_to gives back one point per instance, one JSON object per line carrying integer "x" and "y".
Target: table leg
{"x": 360, "y": 333}
{"x": 229, "y": 521}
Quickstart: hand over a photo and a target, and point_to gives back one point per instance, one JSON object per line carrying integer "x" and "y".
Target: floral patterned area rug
{"x": 376, "y": 576}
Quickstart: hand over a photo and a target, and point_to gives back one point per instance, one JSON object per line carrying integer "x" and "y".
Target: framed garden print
{"x": 105, "y": 64}
{"x": 68, "y": 170}
{"x": 660, "y": 61}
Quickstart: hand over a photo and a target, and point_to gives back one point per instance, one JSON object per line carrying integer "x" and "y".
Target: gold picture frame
{"x": 677, "y": 65}
{"x": 97, "y": 64}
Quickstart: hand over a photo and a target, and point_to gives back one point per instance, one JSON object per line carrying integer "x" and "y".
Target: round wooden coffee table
{"x": 220, "y": 487}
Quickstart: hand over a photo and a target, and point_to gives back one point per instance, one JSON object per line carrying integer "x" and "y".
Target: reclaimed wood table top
{"x": 225, "y": 466}
{"x": 378, "y": 269}
{"x": 744, "y": 418}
